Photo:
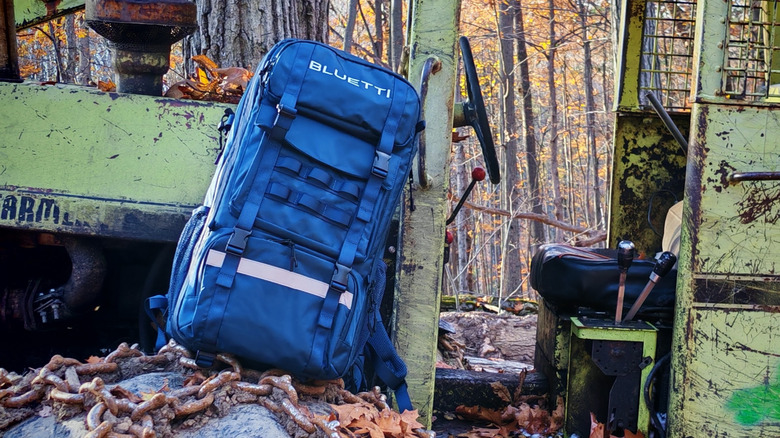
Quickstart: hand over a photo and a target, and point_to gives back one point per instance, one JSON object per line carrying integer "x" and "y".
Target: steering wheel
{"x": 475, "y": 114}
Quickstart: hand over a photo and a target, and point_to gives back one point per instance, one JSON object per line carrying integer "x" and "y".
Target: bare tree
{"x": 529, "y": 125}
{"x": 511, "y": 262}
{"x": 553, "y": 108}
{"x": 396, "y": 45}
{"x": 350, "y": 27}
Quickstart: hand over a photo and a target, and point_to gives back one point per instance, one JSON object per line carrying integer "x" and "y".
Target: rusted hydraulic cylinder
{"x": 140, "y": 34}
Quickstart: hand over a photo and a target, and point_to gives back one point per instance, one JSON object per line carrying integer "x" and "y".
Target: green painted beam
{"x": 434, "y": 33}
{"x": 628, "y": 55}
{"x": 94, "y": 163}
{"x": 28, "y": 13}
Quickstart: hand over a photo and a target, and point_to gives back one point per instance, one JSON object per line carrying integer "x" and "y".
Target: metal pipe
{"x": 668, "y": 122}
{"x": 754, "y": 176}
{"x": 428, "y": 69}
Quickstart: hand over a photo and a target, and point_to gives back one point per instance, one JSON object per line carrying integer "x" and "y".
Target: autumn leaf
{"x": 353, "y": 412}
{"x": 390, "y": 423}
{"x": 480, "y": 413}
{"x": 107, "y": 86}
{"x": 501, "y": 391}
{"x": 94, "y": 359}
{"x": 409, "y": 421}
{"x": 557, "y": 416}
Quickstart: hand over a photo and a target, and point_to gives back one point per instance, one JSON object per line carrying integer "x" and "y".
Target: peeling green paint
{"x": 109, "y": 164}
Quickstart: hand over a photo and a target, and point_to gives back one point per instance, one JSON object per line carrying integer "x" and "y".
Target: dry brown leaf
{"x": 94, "y": 359}
{"x": 233, "y": 78}
{"x": 533, "y": 420}
{"x": 501, "y": 391}
{"x": 558, "y": 416}
{"x": 480, "y": 413}
{"x": 409, "y": 421}
{"x": 390, "y": 423}
{"x": 107, "y": 86}
{"x": 351, "y": 412}
{"x": 205, "y": 62}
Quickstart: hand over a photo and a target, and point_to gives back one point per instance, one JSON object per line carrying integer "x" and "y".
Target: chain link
{"x": 114, "y": 410}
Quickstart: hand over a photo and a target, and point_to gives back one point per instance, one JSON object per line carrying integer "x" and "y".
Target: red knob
{"x": 448, "y": 237}
{"x": 478, "y": 174}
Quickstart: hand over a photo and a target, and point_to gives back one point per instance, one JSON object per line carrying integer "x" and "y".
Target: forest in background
{"x": 546, "y": 73}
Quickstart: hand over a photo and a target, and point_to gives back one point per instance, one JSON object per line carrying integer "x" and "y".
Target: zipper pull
{"x": 293, "y": 260}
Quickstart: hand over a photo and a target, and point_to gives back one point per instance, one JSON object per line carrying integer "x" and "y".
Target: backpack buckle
{"x": 285, "y": 114}
{"x": 381, "y": 164}
{"x": 340, "y": 279}
{"x": 237, "y": 242}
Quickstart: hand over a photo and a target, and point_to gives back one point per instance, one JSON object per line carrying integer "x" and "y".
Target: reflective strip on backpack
{"x": 264, "y": 271}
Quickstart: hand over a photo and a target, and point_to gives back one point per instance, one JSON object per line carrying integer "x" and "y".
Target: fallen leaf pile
{"x": 365, "y": 420}
{"x": 522, "y": 414}
{"x": 212, "y": 83}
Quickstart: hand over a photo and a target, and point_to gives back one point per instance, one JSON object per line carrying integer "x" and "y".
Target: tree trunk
{"x": 379, "y": 38}
{"x": 536, "y": 235}
{"x": 590, "y": 119}
{"x": 462, "y": 224}
{"x": 238, "y": 34}
{"x": 396, "y": 33}
{"x": 71, "y": 50}
{"x": 352, "y": 11}
{"x": 512, "y": 267}
{"x": 553, "y": 105}
{"x": 84, "y": 69}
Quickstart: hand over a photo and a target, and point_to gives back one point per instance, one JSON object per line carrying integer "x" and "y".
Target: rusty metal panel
{"x": 647, "y": 176}
{"x": 79, "y": 161}
{"x": 738, "y": 225}
{"x": 726, "y": 359}
{"x": 732, "y": 377}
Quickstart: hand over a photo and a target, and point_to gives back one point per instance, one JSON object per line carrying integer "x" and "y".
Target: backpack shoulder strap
{"x": 389, "y": 366}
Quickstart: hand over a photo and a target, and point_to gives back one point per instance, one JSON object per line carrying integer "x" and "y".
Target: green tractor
{"x": 95, "y": 188}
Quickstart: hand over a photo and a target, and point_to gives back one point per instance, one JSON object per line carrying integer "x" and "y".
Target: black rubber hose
{"x": 657, "y": 424}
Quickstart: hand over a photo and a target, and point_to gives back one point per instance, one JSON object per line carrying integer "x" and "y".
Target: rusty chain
{"x": 69, "y": 383}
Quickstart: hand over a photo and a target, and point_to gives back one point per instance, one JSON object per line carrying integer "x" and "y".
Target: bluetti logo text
{"x": 324, "y": 69}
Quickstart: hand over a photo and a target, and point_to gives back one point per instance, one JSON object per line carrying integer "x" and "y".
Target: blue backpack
{"x": 282, "y": 265}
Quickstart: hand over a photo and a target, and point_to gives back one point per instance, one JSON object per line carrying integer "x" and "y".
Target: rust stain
{"x": 759, "y": 202}
{"x": 724, "y": 170}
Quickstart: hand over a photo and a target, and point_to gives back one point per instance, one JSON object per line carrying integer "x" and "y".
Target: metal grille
{"x": 751, "y": 63}
{"x": 667, "y": 52}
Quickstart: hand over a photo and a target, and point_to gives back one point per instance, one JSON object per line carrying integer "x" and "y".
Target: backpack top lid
{"x": 344, "y": 91}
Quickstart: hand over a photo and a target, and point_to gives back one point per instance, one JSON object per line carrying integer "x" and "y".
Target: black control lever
{"x": 625, "y": 257}
{"x": 478, "y": 174}
{"x": 662, "y": 267}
